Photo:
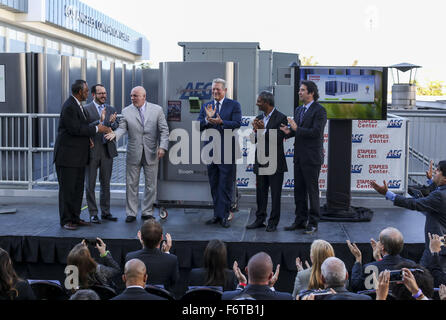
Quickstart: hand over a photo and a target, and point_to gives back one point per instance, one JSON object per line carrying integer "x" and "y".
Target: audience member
{"x": 11, "y": 286}
{"x": 90, "y": 272}
{"x": 162, "y": 267}
{"x": 261, "y": 280}
{"x": 335, "y": 276}
{"x": 310, "y": 278}
{"x": 85, "y": 295}
{"x": 135, "y": 278}
{"x": 215, "y": 272}
{"x": 389, "y": 247}
{"x": 442, "y": 292}
{"x": 435, "y": 244}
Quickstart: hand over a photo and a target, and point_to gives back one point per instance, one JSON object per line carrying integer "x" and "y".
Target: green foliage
{"x": 433, "y": 88}
{"x": 308, "y": 61}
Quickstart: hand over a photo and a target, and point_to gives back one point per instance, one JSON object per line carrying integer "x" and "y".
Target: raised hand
{"x": 380, "y": 189}
{"x": 376, "y": 247}
{"x": 103, "y": 114}
{"x": 210, "y": 111}
{"x": 275, "y": 277}
{"x": 238, "y": 273}
{"x": 429, "y": 173}
{"x": 292, "y": 123}
{"x": 113, "y": 117}
{"x": 382, "y": 288}
{"x": 435, "y": 243}
{"x": 355, "y": 251}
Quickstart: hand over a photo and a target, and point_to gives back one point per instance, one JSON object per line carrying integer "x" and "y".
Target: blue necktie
{"x": 218, "y": 107}
{"x": 301, "y": 116}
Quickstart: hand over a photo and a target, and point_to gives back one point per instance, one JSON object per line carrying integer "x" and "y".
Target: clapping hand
{"x": 275, "y": 277}
{"x": 210, "y": 111}
{"x": 103, "y": 114}
{"x": 292, "y": 124}
{"x": 100, "y": 245}
{"x": 382, "y": 287}
{"x": 429, "y": 173}
{"x": 113, "y": 117}
{"x": 110, "y": 136}
{"x": 299, "y": 265}
{"x": 238, "y": 273}
{"x": 376, "y": 247}
{"x": 435, "y": 243}
{"x": 380, "y": 189}
{"x": 355, "y": 251}
{"x": 167, "y": 244}
{"x": 216, "y": 121}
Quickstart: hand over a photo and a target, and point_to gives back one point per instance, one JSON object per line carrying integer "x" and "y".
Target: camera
{"x": 91, "y": 242}
{"x": 397, "y": 275}
{"x": 318, "y": 294}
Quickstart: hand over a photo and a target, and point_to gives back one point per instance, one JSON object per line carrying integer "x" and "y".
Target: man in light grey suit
{"x": 101, "y": 155}
{"x": 148, "y": 133}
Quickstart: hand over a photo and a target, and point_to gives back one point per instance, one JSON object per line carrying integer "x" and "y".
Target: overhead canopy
{"x": 403, "y": 67}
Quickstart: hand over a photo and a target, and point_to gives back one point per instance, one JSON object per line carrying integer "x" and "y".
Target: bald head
{"x": 334, "y": 273}
{"x": 135, "y": 273}
{"x": 392, "y": 241}
{"x": 138, "y": 96}
{"x": 260, "y": 269}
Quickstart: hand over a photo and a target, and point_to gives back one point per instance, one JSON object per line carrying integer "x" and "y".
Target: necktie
{"x": 301, "y": 116}
{"x": 83, "y": 112}
{"x": 218, "y": 107}
{"x": 142, "y": 116}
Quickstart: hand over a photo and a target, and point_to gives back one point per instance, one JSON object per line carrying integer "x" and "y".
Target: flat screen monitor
{"x": 356, "y": 93}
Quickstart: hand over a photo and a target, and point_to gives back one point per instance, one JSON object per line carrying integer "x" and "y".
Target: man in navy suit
{"x": 433, "y": 207}
{"x": 307, "y": 128}
{"x": 71, "y": 155}
{"x": 221, "y": 114}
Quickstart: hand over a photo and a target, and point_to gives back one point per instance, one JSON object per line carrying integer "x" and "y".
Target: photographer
{"x": 90, "y": 272}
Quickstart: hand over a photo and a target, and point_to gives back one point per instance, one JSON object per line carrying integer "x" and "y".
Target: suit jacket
{"x": 437, "y": 272}
{"x": 136, "y": 294}
{"x": 92, "y": 116}
{"x": 153, "y": 135}
{"x": 275, "y": 122}
{"x": 162, "y": 268}
{"x": 309, "y": 137}
{"x": 344, "y": 294}
{"x": 357, "y": 281}
{"x": 258, "y": 292}
{"x": 197, "y": 277}
{"x": 231, "y": 114}
{"x": 434, "y": 207}
{"x": 73, "y": 140}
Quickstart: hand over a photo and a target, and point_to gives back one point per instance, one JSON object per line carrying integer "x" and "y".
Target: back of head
{"x": 135, "y": 272}
{"x": 392, "y": 241}
{"x": 85, "y": 295}
{"x": 80, "y": 257}
{"x": 424, "y": 280}
{"x": 151, "y": 234}
{"x": 260, "y": 268}
{"x": 77, "y": 86}
{"x": 8, "y": 277}
{"x": 215, "y": 262}
{"x": 320, "y": 251}
{"x": 334, "y": 272}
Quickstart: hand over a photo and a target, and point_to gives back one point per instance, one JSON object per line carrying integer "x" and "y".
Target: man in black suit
{"x": 334, "y": 276}
{"x": 135, "y": 278}
{"x": 307, "y": 128}
{"x": 260, "y": 275}
{"x": 387, "y": 254}
{"x": 161, "y": 265}
{"x": 271, "y": 121}
{"x": 433, "y": 207}
{"x": 71, "y": 155}
{"x": 101, "y": 155}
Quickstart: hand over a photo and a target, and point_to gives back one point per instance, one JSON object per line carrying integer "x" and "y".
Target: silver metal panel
{"x": 92, "y": 74}
{"x": 128, "y": 83}
{"x": 15, "y": 83}
{"x": 151, "y": 84}
{"x": 282, "y": 60}
{"x": 53, "y": 88}
{"x": 106, "y": 75}
{"x": 118, "y": 88}
{"x": 18, "y": 6}
{"x": 265, "y": 70}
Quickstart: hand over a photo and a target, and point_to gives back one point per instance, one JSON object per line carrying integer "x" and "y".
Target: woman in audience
{"x": 215, "y": 272}
{"x": 11, "y": 286}
{"x": 310, "y": 278}
{"x": 90, "y": 272}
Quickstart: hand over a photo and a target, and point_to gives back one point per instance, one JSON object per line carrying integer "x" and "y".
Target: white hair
{"x": 334, "y": 272}
{"x": 221, "y": 81}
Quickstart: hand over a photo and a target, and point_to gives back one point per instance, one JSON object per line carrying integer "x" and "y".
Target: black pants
{"x": 306, "y": 187}
{"x": 263, "y": 185}
{"x": 71, "y": 191}
{"x": 221, "y": 180}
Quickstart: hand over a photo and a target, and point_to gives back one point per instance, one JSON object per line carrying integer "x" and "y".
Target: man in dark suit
{"x": 433, "y": 207}
{"x": 101, "y": 155}
{"x": 221, "y": 114}
{"x": 270, "y": 121}
{"x": 307, "y": 128}
{"x": 135, "y": 278}
{"x": 387, "y": 254}
{"x": 162, "y": 267}
{"x": 71, "y": 155}
{"x": 260, "y": 275}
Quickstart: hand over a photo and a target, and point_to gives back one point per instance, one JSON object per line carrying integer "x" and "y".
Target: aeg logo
{"x": 242, "y": 182}
{"x": 357, "y": 168}
{"x": 289, "y": 183}
{"x": 394, "y": 184}
{"x": 245, "y": 122}
{"x": 357, "y": 138}
{"x": 394, "y": 154}
{"x": 200, "y": 90}
{"x": 245, "y": 152}
{"x": 395, "y": 124}
{"x": 289, "y": 153}
{"x": 250, "y": 168}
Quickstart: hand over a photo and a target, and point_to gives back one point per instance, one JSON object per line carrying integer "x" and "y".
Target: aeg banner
{"x": 378, "y": 154}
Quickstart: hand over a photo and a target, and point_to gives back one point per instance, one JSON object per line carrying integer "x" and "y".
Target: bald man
{"x": 260, "y": 274}
{"x": 135, "y": 277}
{"x": 387, "y": 253}
{"x": 148, "y": 142}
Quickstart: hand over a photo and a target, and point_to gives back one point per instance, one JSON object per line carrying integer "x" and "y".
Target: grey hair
{"x": 221, "y": 81}
{"x": 267, "y": 97}
{"x": 85, "y": 295}
{"x": 334, "y": 272}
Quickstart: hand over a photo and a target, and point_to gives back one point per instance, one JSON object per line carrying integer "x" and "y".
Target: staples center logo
{"x": 378, "y": 169}
{"x": 245, "y": 122}
{"x": 394, "y": 184}
{"x": 395, "y": 124}
{"x": 324, "y": 168}
{"x": 357, "y": 138}
{"x": 363, "y": 184}
{"x": 373, "y": 124}
{"x": 326, "y": 138}
{"x": 242, "y": 182}
{"x": 357, "y": 168}
{"x": 321, "y": 183}
{"x": 289, "y": 153}
{"x": 394, "y": 154}
{"x": 250, "y": 168}
{"x": 289, "y": 184}
{"x": 367, "y": 154}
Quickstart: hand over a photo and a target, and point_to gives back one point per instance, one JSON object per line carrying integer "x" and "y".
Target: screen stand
{"x": 339, "y": 176}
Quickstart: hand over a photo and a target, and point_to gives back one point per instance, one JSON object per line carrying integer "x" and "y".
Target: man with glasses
{"x": 101, "y": 155}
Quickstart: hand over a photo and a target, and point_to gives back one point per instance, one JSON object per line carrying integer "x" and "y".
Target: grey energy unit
{"x": 184, "y": 87}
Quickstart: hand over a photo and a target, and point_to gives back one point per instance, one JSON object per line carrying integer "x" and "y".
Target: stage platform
{"x": 39, "y": 246}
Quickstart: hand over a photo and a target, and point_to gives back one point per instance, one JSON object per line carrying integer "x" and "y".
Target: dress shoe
{"x": 145, "y": 218}
{"x": 109, "y": 217}
{"x": 295, "y": 226}
{"x": 130, "y": 219}
{"x": 69, "y": 226}
{"x": 271, "y": 228}
{"x": 82, "y": 223}
{"x": 225, "y": 223}
{"x": 95, "y": 220}
{"x": 310, "y": 229}
{"x": 214, "y": 220}
{"x": 256, "y": 225}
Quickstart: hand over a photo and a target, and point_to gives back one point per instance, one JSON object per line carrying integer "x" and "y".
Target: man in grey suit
{"x": 148, "y": 133}
{"x": 101, "y": 155}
